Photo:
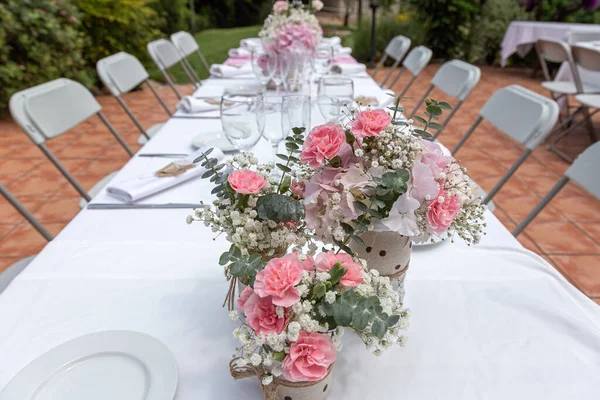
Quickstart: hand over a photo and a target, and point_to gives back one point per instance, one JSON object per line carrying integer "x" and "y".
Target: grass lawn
{"x": 214, "y": 44}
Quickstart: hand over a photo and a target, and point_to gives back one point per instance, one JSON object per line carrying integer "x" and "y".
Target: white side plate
{"x": 215, "y": 139}
{"x": 115, "y": 365}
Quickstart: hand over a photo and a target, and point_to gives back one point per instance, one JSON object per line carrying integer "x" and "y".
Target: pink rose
{"x": 298, "y": 188}
{"x": 261, "y": 315}
{"x": 317, "y": 5}
{"x": 244, "y": 296}
{"x": 280, "y": 6}
{"x": 370, "y": 123}
{"x": 442, "y": 210}
{"x": 309, "y": 358}
{"x": 278, "y": 279}
{"x": 353, "y": 277}
{"x": 246, "y": 182}
{"x": 322, "y": 143}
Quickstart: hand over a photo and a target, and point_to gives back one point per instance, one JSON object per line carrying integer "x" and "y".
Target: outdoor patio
{"x": 566, "y": 234}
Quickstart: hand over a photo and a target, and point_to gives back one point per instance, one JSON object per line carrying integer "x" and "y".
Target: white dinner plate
{"x": 215, "y": 139}
{"x": 115, "y": 365}
{"x": 427, "y": 241}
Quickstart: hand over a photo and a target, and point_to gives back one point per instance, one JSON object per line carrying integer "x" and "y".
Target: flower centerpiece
{"x": 376, "y": 183}
{"x": 294, "y": 317}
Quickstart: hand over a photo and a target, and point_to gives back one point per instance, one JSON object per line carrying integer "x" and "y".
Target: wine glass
{"x": 264, "y": 64}
{"x": 335, "y": 94}
{"x": 295, "y": 113}
{"x": 273, "y": 120}
{"x": 322, "y": 60}
{"x": 281, "y": 69}
{"x": 243, "y": 118}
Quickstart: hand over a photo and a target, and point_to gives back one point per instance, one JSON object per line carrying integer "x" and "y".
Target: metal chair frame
{"x": 396, "y": 49}
{"x": 165, "y": 55}
{"x": 187, "y": 45}
{"x": 415, "y": 61}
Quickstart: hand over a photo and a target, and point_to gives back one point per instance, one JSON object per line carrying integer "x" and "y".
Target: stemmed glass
{"x": 322, "y": 60}
{"x": 243, "y": 118}
{"x": 333, "y": 95}
{"x": 281, "y": 69}
{"x": 274, "y": 118}
{"x": 264, "y": 64}
{"x": 295, "y": 113}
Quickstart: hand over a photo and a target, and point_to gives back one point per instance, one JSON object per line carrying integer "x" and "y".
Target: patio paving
{"x": 566, "y": 234}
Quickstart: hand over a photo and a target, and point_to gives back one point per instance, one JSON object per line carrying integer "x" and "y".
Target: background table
{"x": 492, "y": 321}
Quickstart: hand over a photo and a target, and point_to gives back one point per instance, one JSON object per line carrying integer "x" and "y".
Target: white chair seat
{"x": 568, "y": 87}
{"x": 98, "y": 188}
{"x": 142, "y": 140}
{"x": 12, "y": 271}
{"x": 589, "y": 100}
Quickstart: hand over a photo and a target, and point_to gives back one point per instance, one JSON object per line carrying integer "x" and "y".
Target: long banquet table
{"x": 493, "y": 321}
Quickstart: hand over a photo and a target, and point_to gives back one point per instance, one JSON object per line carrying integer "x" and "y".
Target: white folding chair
{"x": 121, "y": 73}
{"x": 455, "y": 78}
{"x": 584, "y": 171}
{"x": 415, "y": 61}
{"x": 588, "y": 58}
{"x": 48, "y": 110}
{"x": 10, "y": 273}
{"x": 523, "y": 115}
{"x": 165, "y": 56}
{"x": 187, "y": 45}
{"x": 396, "y": 50}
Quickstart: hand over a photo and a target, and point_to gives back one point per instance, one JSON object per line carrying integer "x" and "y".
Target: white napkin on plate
{"x": 226, "y": 71}
{"x": 342, "y": 51}
{"x": 348, "y": 69}
{"x": 331, "y": 41}
{"x": 190, "y": 105}
{"x": 132, "y": 190}
{"x": 239, "y": 52}
{"x": 251, "y": 42}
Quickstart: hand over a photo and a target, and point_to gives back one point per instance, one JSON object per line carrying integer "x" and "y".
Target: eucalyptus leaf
{"x": 279, "y": 208}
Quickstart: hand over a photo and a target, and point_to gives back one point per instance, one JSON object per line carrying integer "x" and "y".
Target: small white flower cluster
{"x": 395, "y": 148}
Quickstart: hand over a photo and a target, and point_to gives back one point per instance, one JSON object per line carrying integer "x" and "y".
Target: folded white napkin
{"x": 134, "y": 189}
{"x": 331, "y": 41}
{"x": 342, "y": 51}
{"x": 225, "y": 71}
{"x": 348, "y": 69}
{"x": 251, "y": 42}
{"x": 239, "y": 52}
{"x": 190, "y": 105}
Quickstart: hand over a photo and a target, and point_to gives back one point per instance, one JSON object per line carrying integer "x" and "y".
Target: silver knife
{"x": 124, "y": 206}
{"x": 196, "y": 117}
{"x": 166, "y": 155}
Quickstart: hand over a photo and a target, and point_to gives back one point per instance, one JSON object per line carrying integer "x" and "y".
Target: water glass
{"x": 243, "y": 118}
{"x": 264, "y": 64}
{"x": 335, "y": 95}
{"x": 322, "y": 60}
{"x": 273, "y": 132}
{"x": 281, "y": 69}
{"x": 295, "y": 113}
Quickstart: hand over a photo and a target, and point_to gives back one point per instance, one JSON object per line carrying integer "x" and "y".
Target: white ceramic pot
{"x": 318, "y": 391}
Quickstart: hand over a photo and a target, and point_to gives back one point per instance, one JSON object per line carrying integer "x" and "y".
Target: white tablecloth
{"x": 489, "y": 322}
{"x": 521, "y": 35}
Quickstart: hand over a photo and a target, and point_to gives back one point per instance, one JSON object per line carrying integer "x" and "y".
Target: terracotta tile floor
{"x": 567, "y": 233}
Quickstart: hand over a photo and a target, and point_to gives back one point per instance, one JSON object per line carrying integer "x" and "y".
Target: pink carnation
{"x": 440, "y": 214}
{"x": 309, "y": 358}
{"x": 280, "y": 6}
{"x": 244, "y": 296}
{"x": 279, "y": 278}
{"x": 370, "y": 123}
{"x": 261, "y": 315}
{"x": 246, "y": 182}
{"x": 353, "y": 277}
{"x": 322, "y": 143}
{"x": 298, "y": 188}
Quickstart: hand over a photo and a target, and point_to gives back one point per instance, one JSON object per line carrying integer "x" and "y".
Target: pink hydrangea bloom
{"x": 424, "y": 186}
{"x": 309, "y": 358}
{"x": 296, "y": 37}
{"x": 433, "y": 156}
{"x": 353, "y": 277}
{"x": 442, "y": 210}
{"x": 280, "y": 6}
{"x": 246, "y": 182}
{"x": 244, "y": 296}
{"x": 370, "y": 123}
{"x": 261, "y": 315}
{"x": 279, "y": 278}
{"x": 322, "y": 143}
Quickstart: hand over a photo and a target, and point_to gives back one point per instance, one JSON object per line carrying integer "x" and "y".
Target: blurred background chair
{"x": 48, "y": 110}
{"x": 583, "y": 171}
{"x": 10, "y": 273}
{"x": 187, "y": 45}
{"x": 396, "y": 50}
{"x": 121, "y": 73}
{"x": 165, "y": 55}
{"x": 415, "y": 61}
{"x": 455, "y": 78}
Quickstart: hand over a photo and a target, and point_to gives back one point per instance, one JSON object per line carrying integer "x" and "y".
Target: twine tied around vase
{"x": 230, "y": 298}
{"x": 269, "y": 391}
{"x": 399, "y": 273}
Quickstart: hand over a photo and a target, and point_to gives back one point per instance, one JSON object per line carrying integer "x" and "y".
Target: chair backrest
{"x": 457, "y": 78}
{"x": 164, "y": 54}
{"x": 50, "y": 109}
{"x": 586, "y": 57}
{"x": 417, "y": 59}
{"x": 573, "y": 37}
{"x": 555, "y": 51}
{"x": 397, "y": 47}
{"x": 121, "y": 73}
{"x": 585, "y": 168}
{"x": 523, "y": 115}
{"x": 184, "y": 42}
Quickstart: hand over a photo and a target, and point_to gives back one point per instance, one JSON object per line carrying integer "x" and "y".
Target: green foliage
{"x": 230, "y": 13}
{"x": 174, "y": 13}
{"x": 39, "y": 41}
{"x": 490, "y": 27}
{"x": 448, "y": 24}
{"x": 244, "y": 268}
{"x": 279, "y": 208}
{"x": 118, "y": 25}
